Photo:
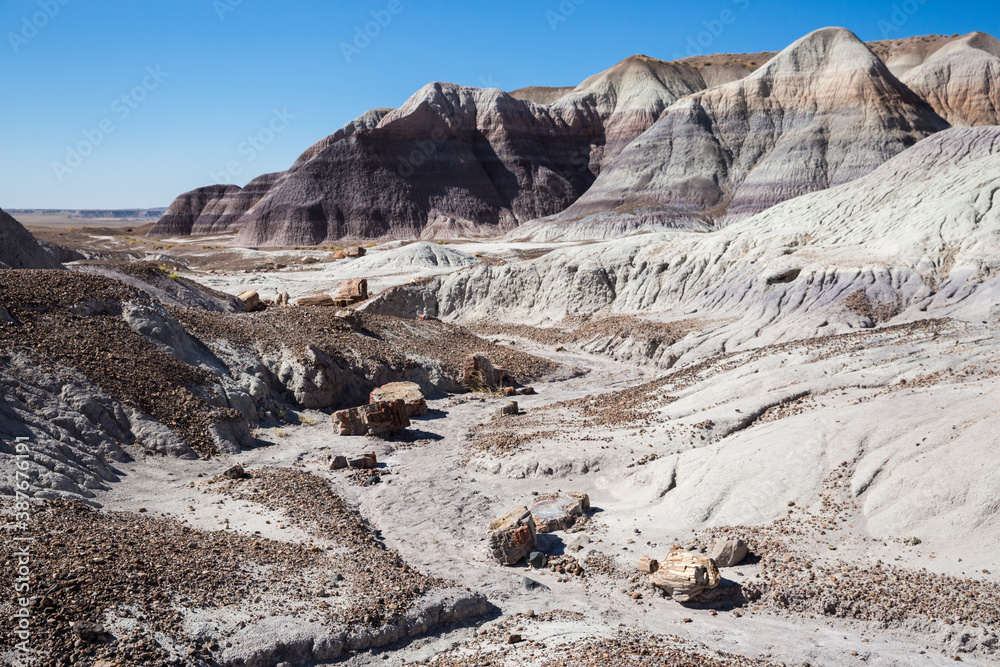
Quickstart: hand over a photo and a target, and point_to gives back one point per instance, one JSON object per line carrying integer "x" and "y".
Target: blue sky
{"x": 120, "y": 104}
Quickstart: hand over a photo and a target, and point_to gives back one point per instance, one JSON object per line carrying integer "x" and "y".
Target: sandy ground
{"x": 432, "y": 507}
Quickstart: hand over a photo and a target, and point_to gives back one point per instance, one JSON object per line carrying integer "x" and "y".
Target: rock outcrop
{"x": 558, "y": 511}
{"x": 382, "y": 418}
{"x": 213, "y": 208}
{"x": 685, "y": 576}
{"x": 324, "y": 300}
{"x": 479, "y": 374}
{"x": 542, "y": 94}
{"x": 250, "y": 299}
{"x": 408, "y": 392}
{"x": 148, "y": 277}
{"x": 512, "y": 536}
{"x": 19, "y": 249}
{"x": 219, "y": 208}
{"x": 902, "y": 55}
{"x": 821, "y": 113}
{"x": 721, "y": 68}
{"x": 351, "y": 292}
{"x": 728, "y": 553}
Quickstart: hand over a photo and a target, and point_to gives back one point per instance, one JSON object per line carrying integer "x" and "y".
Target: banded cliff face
{"x": 451, "y": 161}
{"x": 220, "y": 208}
{"x": 823, "y": 112}
{"x": 961, "y": 80}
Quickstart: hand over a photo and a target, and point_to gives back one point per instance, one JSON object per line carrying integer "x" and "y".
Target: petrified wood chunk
{"x": 684, "y": 575}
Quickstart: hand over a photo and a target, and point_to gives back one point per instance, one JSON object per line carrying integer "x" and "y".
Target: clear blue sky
{"x": 201, "y": 76}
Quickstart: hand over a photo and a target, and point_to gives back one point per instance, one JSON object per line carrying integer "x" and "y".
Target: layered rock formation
{"x": 451, "y": 161}
{"x": 823, "y": 112}
{"x": 219, "y": 208}
{"x": 628, "y": 98}
{"x": 961, "y": 80}
{"x": 19, "y": 249}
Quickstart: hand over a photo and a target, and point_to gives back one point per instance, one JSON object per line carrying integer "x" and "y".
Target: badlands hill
{"x": 458, "y": 162}
{"x": 452, "y": 161}
{"x": 821, "y": 113}
{"x": 19, "y": 249}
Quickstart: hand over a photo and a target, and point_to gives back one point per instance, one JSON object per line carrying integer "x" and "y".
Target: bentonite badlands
{"x": 724, "y": 392}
